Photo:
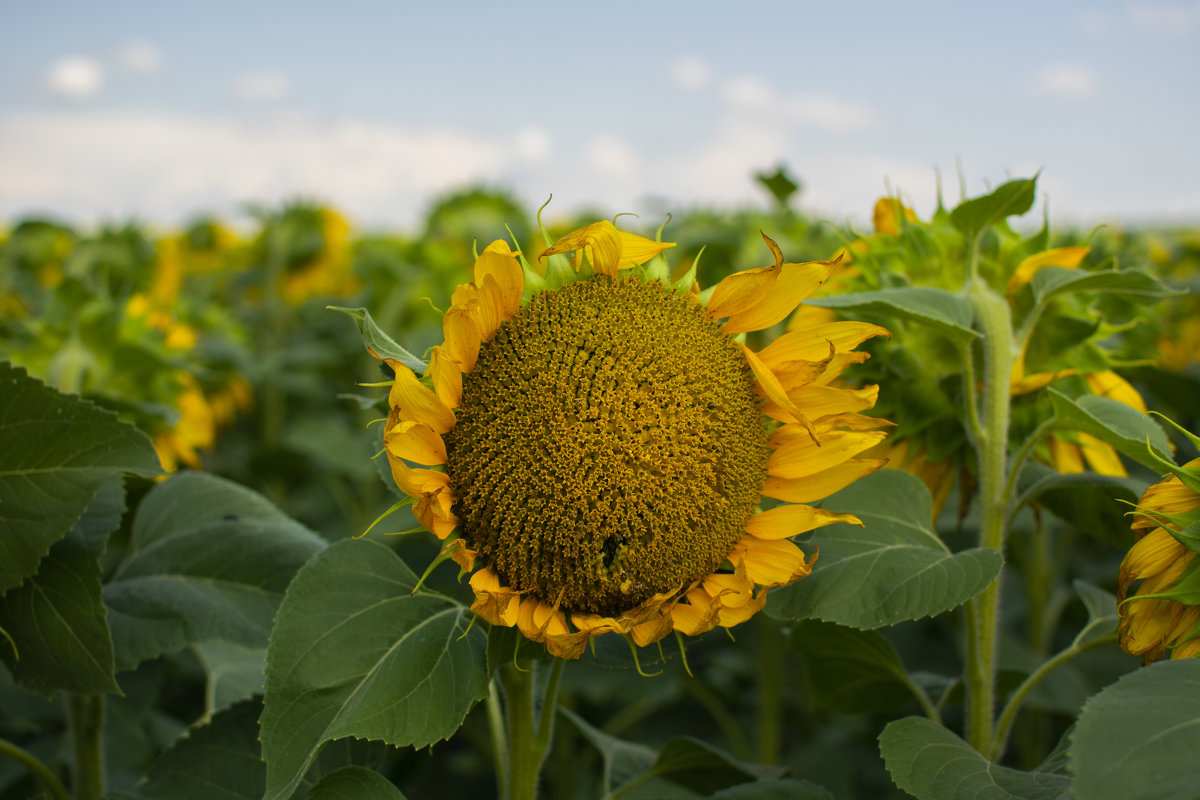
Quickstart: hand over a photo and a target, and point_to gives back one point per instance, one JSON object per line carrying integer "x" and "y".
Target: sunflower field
{"x": 737, "y": 504}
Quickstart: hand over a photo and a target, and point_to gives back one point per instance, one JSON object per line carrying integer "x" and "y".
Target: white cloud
{"x": 163, "y": 168}
{"x": 690, "y": 73}
{"x": 1178, "y": 19}
{"x": 140, "y": 57}
{"x": 76, "y": 77}
{"x": 827, "y": 113}
{"x": 1073, "y": 81}
{"x": 748, "y": 93}
{"x": 534, "y": 144}
{"x": 611, "y": 157}
{"x": 262, "y": 87}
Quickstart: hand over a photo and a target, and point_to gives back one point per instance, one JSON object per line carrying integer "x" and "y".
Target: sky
{"x": 157, "y": 111}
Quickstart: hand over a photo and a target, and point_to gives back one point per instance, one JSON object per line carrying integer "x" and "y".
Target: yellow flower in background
{"x": 1153, "y": 621}
{"x": 1065, "y": 257}
{"x": 599, "y": 452}
{"x": 326, "y": 271}
{"x": 196, "y": 428}
{"x": 887, "y": 211}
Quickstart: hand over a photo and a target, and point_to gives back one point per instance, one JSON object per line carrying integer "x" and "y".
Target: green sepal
{"x": 379, "y": 343}
{"x": 684, "y": 282}
{"x": 534, "y": 283}
{"x": 1186, "y": 590}
{"x": 1189, "y": 477}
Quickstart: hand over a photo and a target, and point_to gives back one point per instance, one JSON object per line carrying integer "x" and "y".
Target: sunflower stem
{"x": 44, "y": 775}
{"x": 770, "y": 689}
{"x": 529, "y": 710}
{"x": 86, "y": 716}
{"x": 993, "y": 320}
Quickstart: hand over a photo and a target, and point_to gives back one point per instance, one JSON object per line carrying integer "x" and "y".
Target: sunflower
{"x": 1162, "y": 613}
{"x": 595, "y": 455}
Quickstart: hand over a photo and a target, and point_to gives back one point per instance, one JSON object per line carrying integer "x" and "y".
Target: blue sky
{"x": 159, "y": 110}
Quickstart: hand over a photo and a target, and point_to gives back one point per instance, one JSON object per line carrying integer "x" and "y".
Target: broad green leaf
{"x": 931, "y": 763}
{"x": 376, "y": 340}
{"x": 1137, "y": 738}
{"x": 783, "y": 789}
{"x": 217, "y": 761}
{"x": 623, "y": 761}
{"x": 1011, "y": 199}
{"x": 1111, "y": 421}
{"x": 1090, "y": 502}
{"x": 354, "y": 783}
{"x": 56, "y": 618}
{"x": 948, "y": 313}
{"x": 355, "y": 653}
{"x": 55, "y": 451}
{"x": 702, "y": 768}
{"x": 849, "y": 670}
{"x": 235, "y": 672}
{"x": 893, "y": 569}
{"x": 1049, "y": 282}
{"x": 208, "y": 559}
{"x": 1101, "y": 610}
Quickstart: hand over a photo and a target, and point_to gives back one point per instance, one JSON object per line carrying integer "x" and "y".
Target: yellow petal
{"x": 741, "y": 291}
{"x": 887, "y": 210}
{"x": 1154, "y": 553}
{"x": 790, "y": 520}
{"x": 416, "y": 482}
{"x": 638, "y": 249}
{"x": 412, "y": 401}
{"x": 462, "y": 334}
{"x": 1110, "y": 384}
{"x": 812, "y": 344}
{"x": 649, "y": 631}
{"x": 823, "y": 401}
{"x": 1064, "y": 456}
{"x": 821, "y": 485}
{"x": 799, "y": 456}
{"x": 794, "y": 283}
{"x": 447, "y": 377}
{"x": 1101, "y": 457}
{"x": 497, "y": 604}
{"x": 416, "y": 442}
{"x": 697, "y": 614}
{"x": 1068, "y": 257}
{"x": 433, "y": 512}
{"x": 771, "y": 562}
{"x": 774, "y": 391}
{"x": 485, "y": 310}
{"x": 601, "y": 241}
{"x": 500, "y": 263}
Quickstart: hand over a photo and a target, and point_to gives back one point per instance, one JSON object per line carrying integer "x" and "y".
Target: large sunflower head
{"x": 597, "y": 454}
{"x": 1161, "y": 613}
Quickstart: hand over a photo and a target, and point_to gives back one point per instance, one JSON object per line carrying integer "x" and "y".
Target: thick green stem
{"x": 499, "y": 737}
{"x": 993, "y": 321}
{"x": 770, "y": 690}
{"x": 529, "y": 727}
{"x": 41, "y": 772}
{"x": 86, "y": 716}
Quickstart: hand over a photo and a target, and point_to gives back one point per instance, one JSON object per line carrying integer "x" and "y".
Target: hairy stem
{"x": 530, "y": 725}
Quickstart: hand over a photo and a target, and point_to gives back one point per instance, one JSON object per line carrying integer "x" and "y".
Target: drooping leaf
{"x": 1090, "y": 502}
{"x": 375, "y": 339}
{"x": 354, "y": 783}
{"x": 623, "y": 760}
{"x": 217, "y": 761}
{"x": 783, "y": 789}
{"x": 55, "y": 452}
{"x": 355, "y": 653}
{"x": 1137, "y": 738}
{"x": 56, "y": 618}
{"x": 1049, "y": 282}
{"x": 895, "y": 568}
{"x": 1125, "y": 428}
{"x": 947, "y": 313}
{"x": 702, "y": 768}
{"x": 235, "y": 672}
{"x": 209, "y": 559}
{"x": 848, "y": 670}
{"x": 931, "y": 763}
{"x": 1101, "y": 610}
{"x": 1011, "y": 199}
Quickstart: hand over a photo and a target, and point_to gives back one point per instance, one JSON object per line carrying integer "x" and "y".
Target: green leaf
{"x": 56, "y": 618}
{"x": 354, "y": 783}
{"x": 1011, "y": 199}
{"x": 1050, "y": 282}
{"x": 235, "y": 672}
{"x": 509, "y": 645}
{"x": 208, "y": 559}
{"x": 947, "y": 313}
{"x": 376, "y": 340}
{"x": 702, "y": 768}
{"x": 1125, "y": 428}
{"x": 848, "y": 670}
{"x": 893, "y": 569}
{"x": 931, "y": 763}
{"x": 784, "y": 789}
{"x": 1089, "y": 502}
{"x": 1137, "y": 738}
{"x": 55, "y": 451}
{"x": 1101, "y": 610}
{"x": 623, "y": 761}
{"x": 355, "y": 653}
{"x": 217, "y": 761}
